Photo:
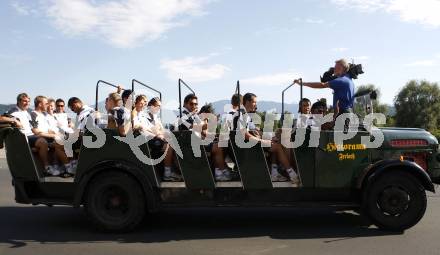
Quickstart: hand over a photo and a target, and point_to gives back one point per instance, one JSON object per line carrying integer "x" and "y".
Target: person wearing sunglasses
{"x": 64, "y": 124}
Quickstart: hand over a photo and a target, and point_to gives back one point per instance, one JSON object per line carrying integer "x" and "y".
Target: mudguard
{"x": 373, "y": 171}
{"x": 111, "y": 165}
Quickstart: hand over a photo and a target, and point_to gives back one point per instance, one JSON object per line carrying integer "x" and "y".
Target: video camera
{"x": 354, "y": 71}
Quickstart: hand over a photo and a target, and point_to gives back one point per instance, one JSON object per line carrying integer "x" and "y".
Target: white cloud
{"x": 20, "y": 8}
{"x": 360, "y": 58}
{"x": 340, "y": 49}
{"x": 194, "y": 69}
{"x": 423, "y": 63}
{"x": 362, "y": 5}
{"x": 124, "y": 23}
{"x": 14, "y": 59}
{"x": 424, "y": 12}
{"x": 314, "y": 21}
{"x": 272, "y": 79}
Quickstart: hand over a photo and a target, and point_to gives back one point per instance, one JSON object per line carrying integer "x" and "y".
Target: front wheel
{"x": 395, "y": 201}
{"x": 115, "y": 202}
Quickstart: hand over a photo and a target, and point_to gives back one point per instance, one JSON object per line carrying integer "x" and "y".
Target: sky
{"x": 61, "y": 48}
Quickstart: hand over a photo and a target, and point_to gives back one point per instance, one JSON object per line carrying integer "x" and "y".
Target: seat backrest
{"x": 19, "y": 157}
{"x": 196, "y": 170}
{"x": 252, "y": 165}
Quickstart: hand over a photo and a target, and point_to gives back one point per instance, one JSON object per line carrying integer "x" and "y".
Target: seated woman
{"x": 149, "y": 124}
{"x": 119, "y": 117}
{"x": 221, "y": 171}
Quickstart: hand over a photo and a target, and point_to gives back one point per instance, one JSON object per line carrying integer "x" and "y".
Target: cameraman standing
{"x": 343, "y": 87}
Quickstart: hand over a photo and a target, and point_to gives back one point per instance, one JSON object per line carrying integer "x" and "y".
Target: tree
{"x": 418, "y": 105}
{"x": 360, "y": 103}
{"x": 377, "y": 106}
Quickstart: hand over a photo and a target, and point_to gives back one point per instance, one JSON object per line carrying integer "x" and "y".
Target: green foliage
{"x": 436, "y": 133}
{"x": 418, "y": 105}
{"x": 361, "y": 102}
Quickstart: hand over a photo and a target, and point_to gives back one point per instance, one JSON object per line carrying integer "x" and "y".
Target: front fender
{"x": 118, "y": 165}
{"x": 376, "y": 169}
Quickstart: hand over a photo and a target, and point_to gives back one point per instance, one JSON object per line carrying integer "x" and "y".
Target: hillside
{"x": 5, "y": 107}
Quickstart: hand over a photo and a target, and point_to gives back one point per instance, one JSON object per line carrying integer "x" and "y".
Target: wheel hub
{"x": 394, "y": 201}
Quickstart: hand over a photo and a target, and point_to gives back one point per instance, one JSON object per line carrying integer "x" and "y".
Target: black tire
{"x": 115, "y": 202}
{"x": 395, "y": 201}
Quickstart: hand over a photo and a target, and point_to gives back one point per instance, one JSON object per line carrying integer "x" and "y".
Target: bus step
{"x": 228, "y": 185}
{"x": 172, "y": 185}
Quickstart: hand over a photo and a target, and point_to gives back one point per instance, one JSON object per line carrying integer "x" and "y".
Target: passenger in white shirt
{"x": 119, "y": 116}
{"x": 83, "y": 112}
{"x": 140, "y": 117}
{"x": 51, "y": 117}
{"x": 61, "y": 116}
{"x": 20, "y": 113}
{"x": 42, "y": 128}
{"x": 244, "y": 124}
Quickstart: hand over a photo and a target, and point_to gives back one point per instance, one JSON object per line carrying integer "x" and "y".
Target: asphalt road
{"x": 26, "y": 229}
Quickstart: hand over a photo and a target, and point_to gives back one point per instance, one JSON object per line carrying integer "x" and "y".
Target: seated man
{"x": 190, "y": 120}
{"x": 304, "y": 117}
{"x": 60, "y": 115}
{"x": 21, "y": 114}
{"x": 41, "y": 127}
{"x": 319, "y": 107}
{"x": 243, "y": 123}
{"x": 10, "y": 120}
{"x": 83, "y": 112}
{"x": 119, "y": 115}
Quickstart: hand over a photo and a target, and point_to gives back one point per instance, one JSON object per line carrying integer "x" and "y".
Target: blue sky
{"x": 60, "y": 48}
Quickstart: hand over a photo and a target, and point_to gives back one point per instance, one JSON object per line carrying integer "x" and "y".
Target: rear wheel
{"x": 115, "y": 202}
{"x": 395, "y": 201}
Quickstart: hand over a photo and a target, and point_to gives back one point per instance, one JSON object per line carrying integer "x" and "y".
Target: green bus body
{"x": 329, "y": 177}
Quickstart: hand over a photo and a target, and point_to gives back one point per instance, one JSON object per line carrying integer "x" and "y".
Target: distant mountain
{"x": 5, "y": 107}
{"x": 263, "y": 106}
{"x": 169, "y": 116}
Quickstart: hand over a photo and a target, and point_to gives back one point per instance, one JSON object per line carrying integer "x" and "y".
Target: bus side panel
{"x": 113, "y": 150}
{"x": 338, "y": 169}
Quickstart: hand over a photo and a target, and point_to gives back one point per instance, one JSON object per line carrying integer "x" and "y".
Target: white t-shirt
{"x": 40, "y": 122}
{"x": 53, "y": 123}
{"x": 81, "y": 118}
{"x": 188, "y": 120}
{"x": 63, "y": 122}
{"x": 121, "y": 115}
{"x": 141, "y": 120}
{"x": 24, "y": 117}
{"x": 245, "y": 121}
{"x": 304, "y": 120}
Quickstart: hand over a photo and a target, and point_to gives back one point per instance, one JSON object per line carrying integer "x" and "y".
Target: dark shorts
{"x": 208, "y": 148}
{"x": 32, "y": 139}
{"x": 156, "y": 144}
